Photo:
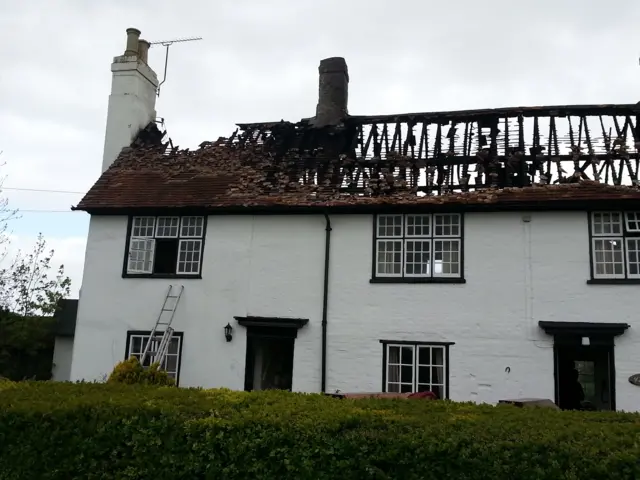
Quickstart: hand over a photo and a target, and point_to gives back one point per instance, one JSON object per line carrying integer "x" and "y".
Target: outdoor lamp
{"x": 227, "y": 332}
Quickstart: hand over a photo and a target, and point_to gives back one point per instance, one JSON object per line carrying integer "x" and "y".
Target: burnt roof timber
{"x": 465, "y": 115}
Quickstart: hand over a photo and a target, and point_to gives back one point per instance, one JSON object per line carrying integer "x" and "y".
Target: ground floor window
{"x": 137, "y": 342}
{"x": 410, "y": 367}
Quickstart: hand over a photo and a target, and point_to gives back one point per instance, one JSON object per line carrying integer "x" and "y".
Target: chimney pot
{"x": 133, "y": 34}
{"x": 333, "y": 92}
{"x": 143, "y": 50}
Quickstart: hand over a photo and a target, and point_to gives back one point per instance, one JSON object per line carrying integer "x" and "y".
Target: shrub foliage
{"x": 131, "y": 372}
{"x": 104, "y": 431}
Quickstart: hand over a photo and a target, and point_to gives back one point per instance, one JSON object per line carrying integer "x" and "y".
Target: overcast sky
{"x": 258, "y": 62}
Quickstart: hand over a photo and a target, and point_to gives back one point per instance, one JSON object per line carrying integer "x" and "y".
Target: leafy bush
{"x": 131, "y": 372}
{"x": 26, "y": 346}
{"x": 103, "y": 431}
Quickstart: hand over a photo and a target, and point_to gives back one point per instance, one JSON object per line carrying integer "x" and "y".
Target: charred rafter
{"x": 436, "y": 153}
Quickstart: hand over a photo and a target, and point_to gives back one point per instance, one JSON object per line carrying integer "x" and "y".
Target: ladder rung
{"x": 172, "y": 296}
{"x": 167, "y": 309}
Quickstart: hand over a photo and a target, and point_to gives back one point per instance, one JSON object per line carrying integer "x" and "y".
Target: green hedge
{"x": 104, "y": 431}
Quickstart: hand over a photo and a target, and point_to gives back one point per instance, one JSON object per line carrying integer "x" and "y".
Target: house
{"x": 482, "y": 255}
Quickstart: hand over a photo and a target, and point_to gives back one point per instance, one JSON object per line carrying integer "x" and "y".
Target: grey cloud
{"x": 258, "y": 62}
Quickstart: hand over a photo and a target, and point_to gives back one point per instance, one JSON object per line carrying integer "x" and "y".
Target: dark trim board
{"x": 416, "y": 279}
{"x": 147, "y": 333}
{"x": 273, "y": 322}
{"x": 612, "y": 281}
{"x": 413, "y": 342}
{"x": 447, "y": 368}
{"x": 530, "y": 206}
{"x": 583, "y": 329}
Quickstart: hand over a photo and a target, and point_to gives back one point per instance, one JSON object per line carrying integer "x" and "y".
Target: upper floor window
{"x": 615, "y": 245}
{"x": 418, "y": 247}
{"x": 165, "y": 245}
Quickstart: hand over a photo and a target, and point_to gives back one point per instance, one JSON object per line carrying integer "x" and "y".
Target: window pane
{"x": 633, "y": 221}
{"x": 424, "y": 355}
{"x": 389, "y": 225}
{"x": 135, "y": 345}
{"x": 446, "y": 225}
{"x": 417, "y": 257}
{"x": 406, "y": 374}
{"x": 393, "y": 374}
{"x": 608, "y": 258}
{"x": 406, "y": 388}
{"x": 142, "y": 227}
{"x": 446, "y": 258}
{"x": 393, "y": 388}
{"x": 394, "y": 354}
{"x": 424, "y": 374}
{"x": 606, "y": 223}
{"x": 167, "y": 227}
{"x": 438, "y": 390}
{"x": 192, "y": 227}
{"x": 189, "y": 256}
{"x": 407, "y": 355}
{"x": 437, "y": 356}
{"x": 171, "y": 363}
{"x": 389, "y": 257}
{"x": 418, "y": 225}
{"x": 174, "y": 344}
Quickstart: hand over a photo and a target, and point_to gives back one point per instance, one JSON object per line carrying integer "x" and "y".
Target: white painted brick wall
{"x": 517, "y": 274}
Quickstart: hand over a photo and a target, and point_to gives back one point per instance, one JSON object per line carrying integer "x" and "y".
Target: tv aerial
{"x": 167, "y": 44}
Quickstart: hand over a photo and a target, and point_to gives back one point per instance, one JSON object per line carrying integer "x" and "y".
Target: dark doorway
{"x": 269, "y": 362}
{"x": 584, "y": 363}
{"x": 590, "y": 367}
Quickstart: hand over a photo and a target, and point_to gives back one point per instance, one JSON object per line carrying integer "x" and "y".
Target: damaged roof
{"x": 536, "y": 157}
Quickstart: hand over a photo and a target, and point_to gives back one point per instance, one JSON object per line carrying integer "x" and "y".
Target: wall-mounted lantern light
{"x": 228, "y": 331}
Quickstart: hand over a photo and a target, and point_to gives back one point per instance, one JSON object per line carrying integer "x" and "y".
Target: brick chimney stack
{"x": 333, "y": 92}
{"x": 132, "y": 101}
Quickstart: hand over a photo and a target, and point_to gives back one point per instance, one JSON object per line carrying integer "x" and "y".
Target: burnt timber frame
{"x": 446, "y": 152}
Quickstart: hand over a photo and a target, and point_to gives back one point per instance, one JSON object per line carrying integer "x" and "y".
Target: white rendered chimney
{"x": 132, "y": 101}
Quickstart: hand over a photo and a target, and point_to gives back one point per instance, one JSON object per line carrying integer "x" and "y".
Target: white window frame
{"x": 197, "y": 241}
{"x": 431, "y": 238}
{"x": 415, "y": 383}
{"x": 626, "y": 234}
{"x": 155, "y": 226}
{"x": 143, "y": 336}
{"x": 182, "y": 226}
{"x": 151, "y": 251}
{"x": 177, "y": 227}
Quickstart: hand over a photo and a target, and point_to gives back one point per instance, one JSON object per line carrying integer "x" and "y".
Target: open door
{"x": 590, "y": 366}
{"x": 584, "y": 363}
{"x": 269, "y": 363}
{"x": 270, "y": 345}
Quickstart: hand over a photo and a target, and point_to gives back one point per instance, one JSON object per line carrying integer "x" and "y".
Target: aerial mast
{"x": 167, "y": 44}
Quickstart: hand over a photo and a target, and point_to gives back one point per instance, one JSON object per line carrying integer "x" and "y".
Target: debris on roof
{"x": 517, "y": 156}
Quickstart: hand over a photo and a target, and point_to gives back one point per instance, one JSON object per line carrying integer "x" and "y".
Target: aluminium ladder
{"x": 163, "y": 347}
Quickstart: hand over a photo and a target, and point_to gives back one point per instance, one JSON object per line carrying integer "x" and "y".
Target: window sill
{"x": 416, "y": 280}
{"x": 164, "y": 276}
{"x": 614, "y": 281}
